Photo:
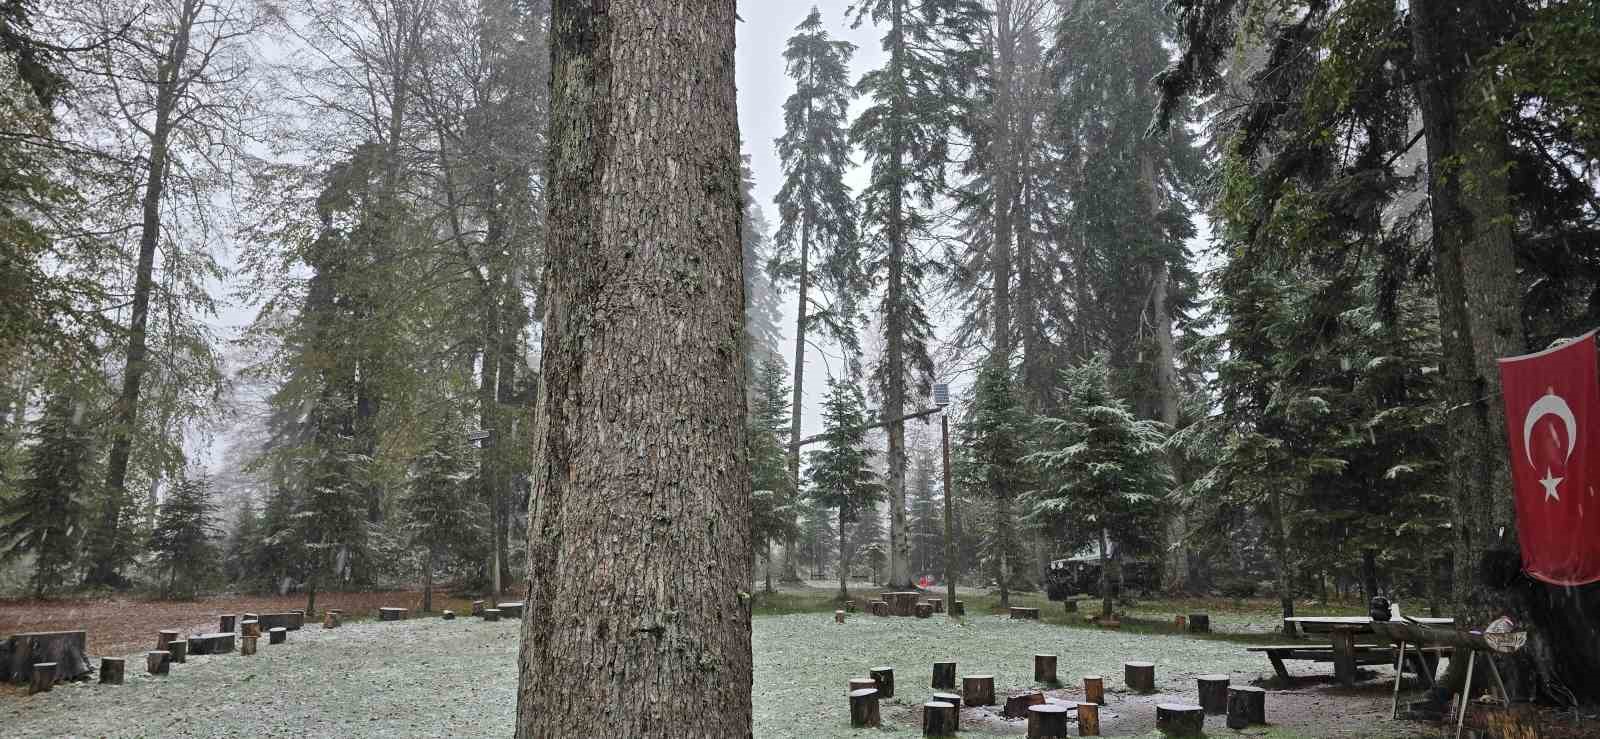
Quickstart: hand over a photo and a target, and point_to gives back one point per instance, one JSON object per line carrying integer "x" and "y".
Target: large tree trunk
{"x": 1480, "y": 320}
{"x": 894, "y": 325}
{"x": 125, "y": 411}
{"x": 641, "y": 488}
{"x": 796, "y": 406}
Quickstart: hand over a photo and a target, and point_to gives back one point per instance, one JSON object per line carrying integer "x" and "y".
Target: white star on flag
{"x": 1550, "y": 482}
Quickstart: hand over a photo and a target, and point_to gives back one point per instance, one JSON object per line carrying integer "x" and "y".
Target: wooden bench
{"x": 1365, "y": 654}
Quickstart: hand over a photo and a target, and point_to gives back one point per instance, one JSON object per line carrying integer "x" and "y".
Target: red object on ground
{"x": 1553, "y": 426}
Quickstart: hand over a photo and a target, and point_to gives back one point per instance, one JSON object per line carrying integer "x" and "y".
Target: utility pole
{"x": 941, "y": 399}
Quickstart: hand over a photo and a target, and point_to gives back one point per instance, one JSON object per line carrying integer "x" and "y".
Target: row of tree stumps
{"x": 1050, "y": 719}
{"x": 907, "y": 603}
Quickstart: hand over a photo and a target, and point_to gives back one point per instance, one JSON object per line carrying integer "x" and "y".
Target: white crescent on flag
{"x": 1552, "y": 405}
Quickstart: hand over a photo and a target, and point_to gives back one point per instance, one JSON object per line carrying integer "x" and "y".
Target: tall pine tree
{"x": 46, "y": 519}
{"x": 839, "y": 474}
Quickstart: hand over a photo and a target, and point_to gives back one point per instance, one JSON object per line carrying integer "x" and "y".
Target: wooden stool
{"x": 1199, "y": 623}
{"x": 1179, "y": 720}
{"x": 247, "y": 645}
{"x": 860, "y": 683}
{"x": 1213, "y": 691}
{"x": 1047, "y": 721}
{"x": 944, "y": 675}
{"x": 1094, "y": 689}
{"x": 491, "y": 614}
{"x": 883, "y": 677}
{"x": 1140, "y": 676}
{"x": 250, "y": 627}
{"x": 1044, "y": 669}
{"x": 1088, "y": 719}
{"x": 165, "y": 637}
{"x": 838, "y": 617}
{"x": 277, "y": 635}
{"x": 158, "y": 662}
{"x": 112, "y": 670}
{"x": 864, "y": 708}
{"x": 940, "y": 719}
{"x": 179, "y": 649}
{"x": 977, "y": 690}
{"x": 924, "y": 610}
{"x": 1017, "y": 705}
{"x": 228, "y": 620}
{"x": 44, "y": 677}
{"x": 1247, "y": 706}
{"x": 951, "y": 698}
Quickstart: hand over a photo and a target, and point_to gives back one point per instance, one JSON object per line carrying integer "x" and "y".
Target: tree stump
{"x": 165, "y": 637}
{"x": 247, "y": 645}
{"x": 112, "y": 670}
{"x": 860, "y": 683}
{"x": 905, "y": 604}
{"x": 491, "y": 614}
{"x": 67, "y": 649}
{"x": 179, "y": 649}
{"x": 44, "y": 678}
{"x": 1199, "y": 623}
{"x": 391, "y": 614}
{"x": 838, "y": 617}
{"x": 250, "y": 627}
{"x": 864, "y": 708}
{"x": 879, "y": 608}
{"x": 1088, "y": 719}
{"x": 1179, "y": 720}
{"x": 158, "y": 662}
{"x": 884, "y": 679}
{"x": 250, "y": 617}
{"x": 1044, "y": 669}
{"x": 1247, "y": 706}
{"x": 937, "y": 603}
{"x": 330, "y": 620}
{"x": 1180, "y": 622}
{"x": 1017, "y": 705}
{"x": 944, "y": 675}
{"x": 1024, "y": 614}
{"x": 478, "y": 607}
{"x": 958, "y": 608}
{"x": 1113, "y": 623}
{"x": 277, "y": 635}
{"x": 1094, "y": 689}
{"x": 953, "y": 699}
{"x": 292, "y": 620}
{"x": 1213, "y": 690}
{"x": 228, "y": 620}
{"x": 1140, "y": 676}
{"x": 510, "y": 610}
{"x": 849, "y": 606}
{"x": 924, "y": 610}
{"x": 940, "y": 719}
{"x": 218, "y": 643}
{"x": 977, "y": 690}
{"x": 1047, "y": 721}
{"x": 448, "y": 615}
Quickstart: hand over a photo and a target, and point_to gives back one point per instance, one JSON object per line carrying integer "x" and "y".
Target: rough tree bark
{"x": 641, "y": 491}
{"x": 894, "y": 325}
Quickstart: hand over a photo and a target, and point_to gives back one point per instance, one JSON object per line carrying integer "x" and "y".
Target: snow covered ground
{"x": 430, "y": 678}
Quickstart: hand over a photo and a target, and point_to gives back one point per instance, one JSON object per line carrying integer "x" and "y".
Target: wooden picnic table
{"x": 1344, "y": 634}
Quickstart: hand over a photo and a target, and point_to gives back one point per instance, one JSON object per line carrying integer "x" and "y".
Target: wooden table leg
{"x": 1277, "y": 664}
{"x": 1344, "y": 656}
{"x": 1399, "y": 675}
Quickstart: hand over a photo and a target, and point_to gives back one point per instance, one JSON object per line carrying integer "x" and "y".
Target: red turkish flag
{"x": 1553, "y": 424}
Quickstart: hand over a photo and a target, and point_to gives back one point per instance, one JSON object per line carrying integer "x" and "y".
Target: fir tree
{"x": 46, "y": 518}
{"x": 280, "y": 558}
{"x": 184, "y": 538}
{"x": 994, "y": 432}
{"x": 773, "y": 515}
{"x": 441, "y": 514}
{"x": 927, "y": 516}
{"x": 1106, "y": 468}
{"x": 839, "y": 475}
{"x": 240, "y": 554}
{"x": 915, "y": 102}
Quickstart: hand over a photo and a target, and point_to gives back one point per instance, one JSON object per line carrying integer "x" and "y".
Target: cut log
{"x": 330, "y": 620}
{"x": 838, "y": 617}
{"x": 1017, "y": 704}
{"x": 1024, "y": 614}
{"x": 158, "y": 662}
{"x": 953, "y": 699}
{"x": 1247, "y": 706}
{"x": 291, "y": 620}
{"x": 391, "y": 614}
{"x": 1088, "y": 719}
{"x": 1113, "y": 624}
{"x": 903, "y": 603}
{"x": 227, "y": 622}
{"x": 448, "y": 615}
{"x": 1213, "y": 690}
{"x": 958, "y": 608}
{"x": 940, "y": 719}
{"x": 247, "y": 645}
{"x": 491, "y": 614}
{"x": 924, "y": 610}
{"x": 44, "y": 677}
{"x": 1199, "y": 623}
{"x": 250, "y": 617}
{"x": 1094, "y": 689}
{"x": 849, "y": 606}
{"x": 66, "y": 649}
{"x": 112, "y": 670}
{"x": 1180, "y": 621}
{"x": 510, "y": 610}
{"x": 1179, "y": 720}
{"x": 860, "y": 683}
{"x": 1044, "y": 669}
{"x": 878, "y": 608}
{"x": 165, "y": 637}
{"x": 977, "y": 690}
{"x": 179, "y": 649}
{"x": 944, "y": 676}
{"x": 1047, "y": 721}
{"x": 884, "y": 679}
{"x": 277, "y": 635}
{"x": 218, "y": 643}
{"x": 250, "y": 627}
{"x": 864, "y": 708}
{"x": 477, "y": 607}
{"x": 1139, "y": 676}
